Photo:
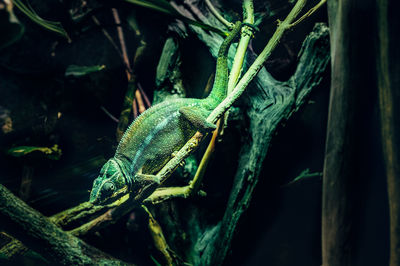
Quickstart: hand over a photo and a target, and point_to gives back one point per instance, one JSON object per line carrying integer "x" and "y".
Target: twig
{"x": 196, "y": 182}
{"x": 159, "y": 240}
{"x": 309, "y": 13}
{"x": 119, "y": 208}
{"x": 132, "y": 95}
{"x": 146, "y": 99}
{"x": 248, "y": 11}
{"x": 109, "y": 114}
{"x": 258, "y": 63}
{"x": 139, "y": 99}
{"x": 217, "y": 15}
{"x": 248, "y": 16}
{"x": 135, "y": 109}
{"x": 122, "y": 43}
{"x": 108, "y": 36}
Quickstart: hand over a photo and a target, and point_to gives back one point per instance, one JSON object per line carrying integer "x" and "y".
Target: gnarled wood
{"x": 44, "y": 237}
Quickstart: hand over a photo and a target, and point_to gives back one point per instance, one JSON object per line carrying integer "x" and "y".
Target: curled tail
{"x": 218, "y": 92}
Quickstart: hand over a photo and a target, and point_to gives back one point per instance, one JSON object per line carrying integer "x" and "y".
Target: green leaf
{"x": 49, "y": 25}
{"x": 53, "y": 153}
{"x": 79, "y": 71}
{"x": 166, "y": 8}
{"x": 304, "y": 175}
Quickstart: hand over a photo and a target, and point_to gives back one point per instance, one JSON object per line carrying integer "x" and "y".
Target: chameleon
{"x": 154, "y": 136}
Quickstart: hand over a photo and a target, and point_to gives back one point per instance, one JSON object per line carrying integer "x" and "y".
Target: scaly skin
{"x": 150, "y": 141}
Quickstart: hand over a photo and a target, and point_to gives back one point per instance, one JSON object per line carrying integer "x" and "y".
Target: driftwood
{"x": 44, "y": 237}
{"x": 268, "y": 103}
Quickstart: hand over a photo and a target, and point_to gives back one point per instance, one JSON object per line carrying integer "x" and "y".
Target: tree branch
{"x": 45, "y": 238}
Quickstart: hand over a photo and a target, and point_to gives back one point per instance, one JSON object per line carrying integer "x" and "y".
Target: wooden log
{"x": 44, "y": 237}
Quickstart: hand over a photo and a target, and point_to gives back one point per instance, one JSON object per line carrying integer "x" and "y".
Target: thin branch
{"x": 146, "y": 99}
{"x": 139, "y": 99}
{"x": 248, "y": 12}
{"x": 122, "y": 42}
{"x": 217, "y": 15}
{"x": 309, "y": 13}
{"x": 109, "y": 114}
{"x": 108, "y": 36}
{"x": 248, "y": 16}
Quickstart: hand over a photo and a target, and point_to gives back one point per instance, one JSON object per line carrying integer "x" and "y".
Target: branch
{"x": 45, "y": 238}
{"x": 308, "y": 13}
{"x": 264, "y": 118}
{"x": 193, "y": 143}
{"x": 217, "y": 15}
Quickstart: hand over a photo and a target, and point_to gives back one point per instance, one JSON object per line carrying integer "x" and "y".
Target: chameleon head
{"x": 110, "y": 184}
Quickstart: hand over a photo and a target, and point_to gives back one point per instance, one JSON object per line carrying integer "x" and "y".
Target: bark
{"x": 388, "y": 67}
{"x": 45, "y": 238}
{"x": 351, "y": 99}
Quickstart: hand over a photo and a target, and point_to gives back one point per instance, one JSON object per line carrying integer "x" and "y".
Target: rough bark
{"x": 351, "y": 99}
{"x": 45, "y": 238}
{"x": 388, "y": 67}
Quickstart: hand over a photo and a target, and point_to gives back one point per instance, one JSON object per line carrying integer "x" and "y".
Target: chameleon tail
{"x": 218, "y": 92}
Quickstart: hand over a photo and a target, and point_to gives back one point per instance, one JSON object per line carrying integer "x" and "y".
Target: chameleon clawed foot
{"x": 174, "y": 155}
{"x": 148, "y": 178}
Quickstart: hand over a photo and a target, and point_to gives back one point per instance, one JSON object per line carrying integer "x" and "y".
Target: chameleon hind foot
{"x": 174, "y": 155}
{"x": 148, "y": 178}
{"x": 196, "y": 119}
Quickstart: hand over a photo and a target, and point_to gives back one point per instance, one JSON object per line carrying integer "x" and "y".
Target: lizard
{"x": 153, "y": 137}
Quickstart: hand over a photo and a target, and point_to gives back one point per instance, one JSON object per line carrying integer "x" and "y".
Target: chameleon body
{"x": 151, "y": 140}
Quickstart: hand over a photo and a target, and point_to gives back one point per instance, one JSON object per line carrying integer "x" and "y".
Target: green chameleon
{"x": 151, "y": 140}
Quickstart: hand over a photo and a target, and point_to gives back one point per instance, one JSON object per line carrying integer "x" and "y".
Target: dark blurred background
{"x": 282, "y": 225}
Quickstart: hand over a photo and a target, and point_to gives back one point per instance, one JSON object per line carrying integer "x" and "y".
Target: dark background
{"x": 282, "y": 225}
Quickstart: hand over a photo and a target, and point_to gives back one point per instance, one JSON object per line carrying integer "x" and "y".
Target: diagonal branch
{"x": 44, "y": 237}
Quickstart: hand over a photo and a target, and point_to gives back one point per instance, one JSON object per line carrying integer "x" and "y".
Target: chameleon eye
{"x": 109, "y": 187}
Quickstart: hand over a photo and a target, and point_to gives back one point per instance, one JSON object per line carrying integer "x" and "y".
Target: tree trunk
{"x": 351, "y": 100}
{"x": 389, "y": 101}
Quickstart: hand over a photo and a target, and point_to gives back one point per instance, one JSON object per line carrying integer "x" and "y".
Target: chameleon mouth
{"x": 112, "y": 198}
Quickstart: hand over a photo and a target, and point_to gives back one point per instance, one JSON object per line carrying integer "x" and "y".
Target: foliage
{"x": 49, "y": 25}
